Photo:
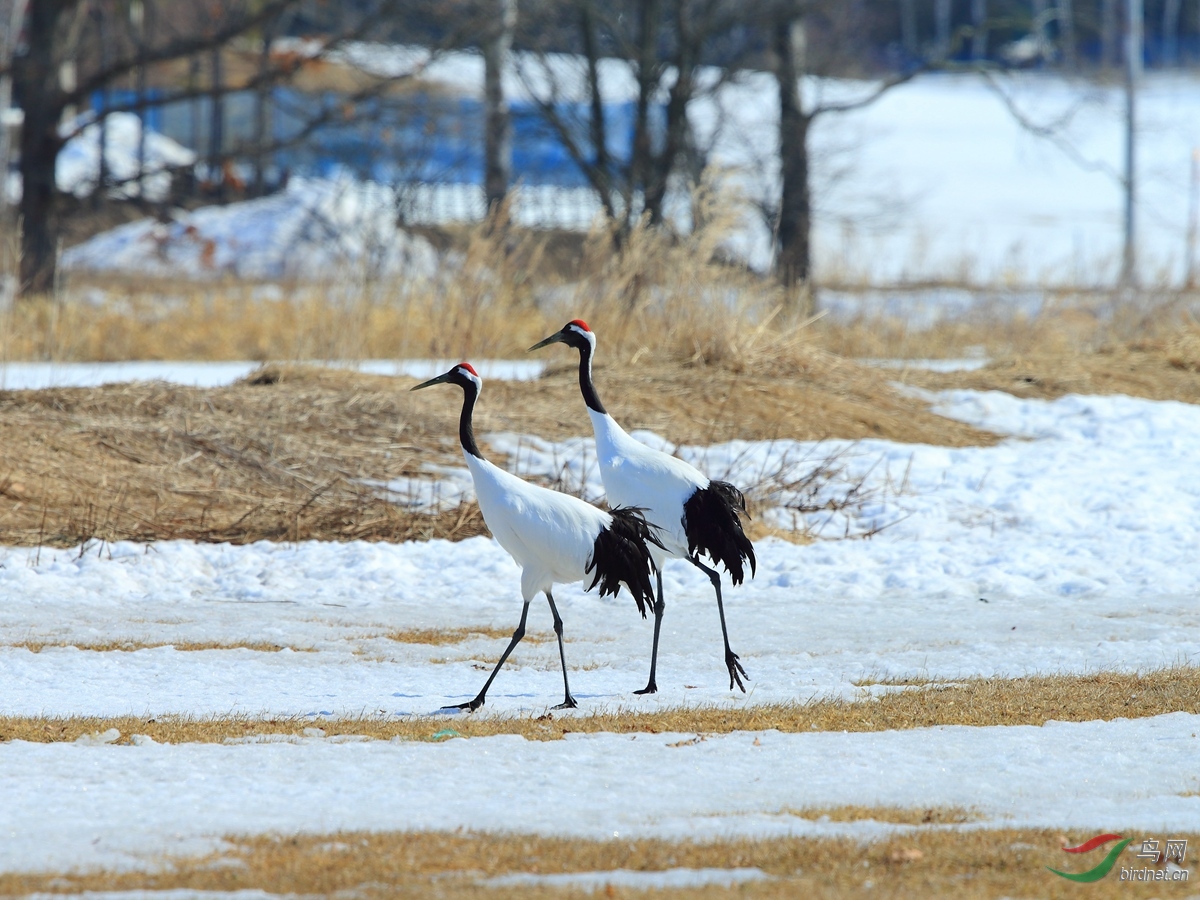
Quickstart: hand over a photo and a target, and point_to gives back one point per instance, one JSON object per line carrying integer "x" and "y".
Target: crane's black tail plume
{"x": 620, "y": 556}
{"x": 710, "y": 520}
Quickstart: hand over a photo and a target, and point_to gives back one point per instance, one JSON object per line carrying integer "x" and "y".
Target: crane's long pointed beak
{"x": 553, "y": 339}
{"x": 441, "y": 379}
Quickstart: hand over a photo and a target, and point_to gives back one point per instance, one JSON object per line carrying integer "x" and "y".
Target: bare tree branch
{"x": 1052, "y": 132}
{"x": 178, "y": 48}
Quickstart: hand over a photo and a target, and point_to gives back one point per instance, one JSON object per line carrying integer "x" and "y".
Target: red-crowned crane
{"x": 555, "y": 538}
{"x": 693, "y": 513}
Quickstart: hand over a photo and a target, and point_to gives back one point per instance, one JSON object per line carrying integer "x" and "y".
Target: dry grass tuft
{"x": 893, "y": 815}
{"x": 921, "y": 861}
{"x": 443, "y": 636}
{"x": 1033, "y": 700}
{"x": 1164, "y": 369}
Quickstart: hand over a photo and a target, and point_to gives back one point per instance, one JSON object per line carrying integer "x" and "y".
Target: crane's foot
{"x": 650, "y": 688}
{"x": 736, "y": 672}
{"x": 568, "y": 703}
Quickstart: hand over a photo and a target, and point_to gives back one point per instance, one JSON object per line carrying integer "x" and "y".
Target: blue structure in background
{"x": 440, "y": 140}
{"x": 122, "y": 99}
{"x": 412, "y": 139}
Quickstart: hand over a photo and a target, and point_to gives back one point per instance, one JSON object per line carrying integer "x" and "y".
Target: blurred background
{"x": 303, "y": 179}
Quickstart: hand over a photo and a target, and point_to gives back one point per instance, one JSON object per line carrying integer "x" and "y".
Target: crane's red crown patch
{"x": 580, "y": 323}
{"x": 470, "y": 368}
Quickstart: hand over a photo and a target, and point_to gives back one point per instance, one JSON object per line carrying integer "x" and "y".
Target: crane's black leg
{"x": 736, "y": 672}
{"x": 652, "y": 686}
{"x": 516, "y": 639}
{"x": 568, "y": 700}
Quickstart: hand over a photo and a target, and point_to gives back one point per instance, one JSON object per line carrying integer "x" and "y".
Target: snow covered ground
{"x": 315, "y": 229}
{"x": 24, "y": 376}
{"x": 69, "y": 805}
{"x": 1069, "y": 547}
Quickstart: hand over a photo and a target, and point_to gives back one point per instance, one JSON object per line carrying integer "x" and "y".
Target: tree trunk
{"x": 35, "y": 77}
{"x": 792, "y": 262}
{"x": 677, "y": 121}
{"x": 1108, "y": 33}
{"x": 216, "y": 128}
{"x": 1170, "y": 32}
{"x": 262, "y": 98}
{"x": 908, "y": 27}
{"x": 597, "y": 129}
{"x": 1040, "y": 29}
{"x": 648, "y": 20}
{"x": 497, "y": 174}
{"x": 979, "y": 29}
{"x": 1066, "y": 34}
{"x": 7, "y": 43}
{"x": 942, "y": 12}
{"x": 138, "y": 13}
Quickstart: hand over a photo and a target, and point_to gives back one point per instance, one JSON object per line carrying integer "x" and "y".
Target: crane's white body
{"x": 637, "y": 475}
{"x": 550, "y": 535}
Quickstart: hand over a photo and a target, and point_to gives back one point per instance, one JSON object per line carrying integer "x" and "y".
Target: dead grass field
{"x": 924, "y": 860}
{"x": 284, "y": 455}
{"x": 1163, "y": 369}
{"x": 1032, "y": 700}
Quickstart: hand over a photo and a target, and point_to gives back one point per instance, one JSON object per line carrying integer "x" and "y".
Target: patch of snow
{"x": 316, "y": 229}
{"x": 122, "y": 806}
{"x": 24, "y": 376}
{"x": 927, "y": 365}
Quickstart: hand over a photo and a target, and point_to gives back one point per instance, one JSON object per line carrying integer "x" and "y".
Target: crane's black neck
{"x": 590, "y": 397}
{"x": 466, "y": 433}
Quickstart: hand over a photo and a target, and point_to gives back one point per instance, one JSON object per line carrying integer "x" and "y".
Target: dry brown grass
{"x": 663, "y": 297}
{"x": 1164, "y": 368}
{"x": 284, "y": 454}
{"x": 442, "y": 636}
{"x": 923, "y": 861}
{"x": 893, "y": 815}
{"x": 1032, "y": 700}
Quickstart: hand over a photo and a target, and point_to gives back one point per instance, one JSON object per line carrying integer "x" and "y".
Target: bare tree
{"x": 1170, "y": 32}
{"x": 979, "y": 30}
{"x": 1109, "y": 51}
{"x": 14, "y": 13}
{"x": 1066, "y": 34}
{"x": 56, "y": 43}
{"x": 942, "y": 14}
{"x": 663, "y": 43}
{"x": 53, "y": 37}
{"x": 498, "y": 123}
{"x": 908, "y": 27}
{"x": 791, "y": 61}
